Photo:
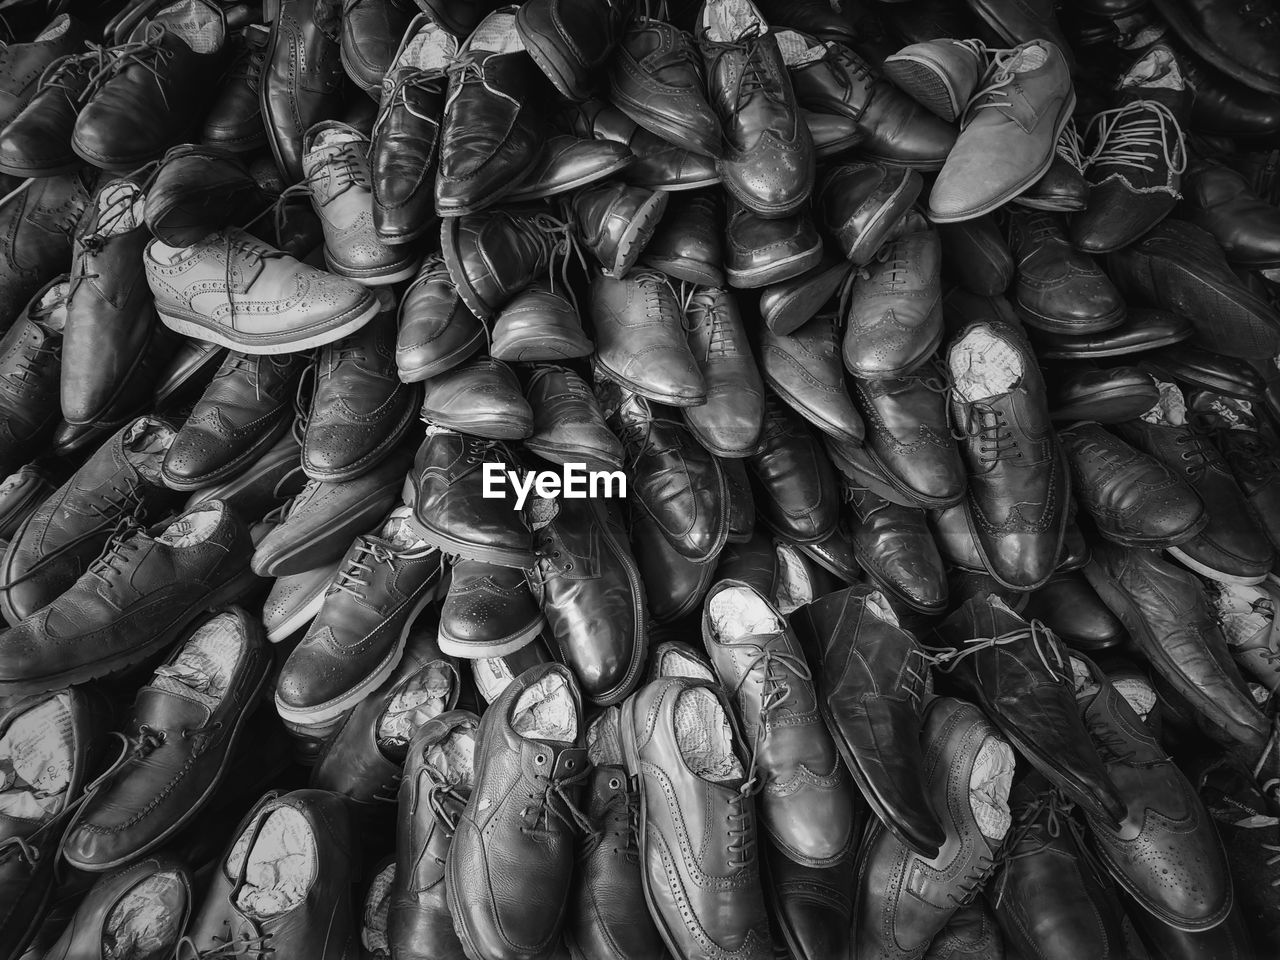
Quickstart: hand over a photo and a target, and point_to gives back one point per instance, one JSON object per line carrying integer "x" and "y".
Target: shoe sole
{"x": 231, "y": 591}
{"x": 229, "y": 471}
{"x": 1195, "y": 566}
{"x": 925, "y": 84}
{"x": 1050, "y": 205}
{"x": 359, "y": 518}
{"x": 803, "y": 305}
{"x": 646, "y": 392}
{"x": 853, "y": 237}
{"x": 776, "y": 272}
{"x": 888, "y": 587}
{"x": 677, "y": 187}
{"x": 374, "y": 277}
{"x": 1192, "y": 37}
{"x": 442, "y": 364}
{"x": 1070, "y": 411}
{"x": 1051, "y": 325}
{"x": 471, "y": 650}
{"x": 241, "y": 719}
{"x": 546, "y": 56}
{"x": 38, "y": 173}
{"x": 675, "y": 134}
{"x": 268, "y": 345}
{"x": 332, "y": 709}
{"x": 1113, "y": 351}
{"x": 299, "y": 618}
{"x": 920, "y": 500}
{"x": 638, "y": 233}
{"x": 1159, "y": 543}
{"x": 1060, "y": 124}
{"x": 461, "y": 282}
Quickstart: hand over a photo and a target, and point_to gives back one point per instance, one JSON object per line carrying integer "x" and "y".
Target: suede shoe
{"x": 481, "y": 398}
{"x": 729, "y": 423}
{"x": 436, "y": 330}
{"x": 804, "y": 369}
{"x": 489, "y": 612}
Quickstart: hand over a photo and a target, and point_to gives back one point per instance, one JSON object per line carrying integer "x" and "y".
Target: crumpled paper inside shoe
{"x": 604, "y": 739}
{"x": 35, "y": 760}
{"x": 377, "y": 909}
{"x": 984, "y": 366}
{"x": 877, "y": 605}
{"x": 1029, "y": 58}
{"x": 145, "y": 444}
{"x": 403, "y": 532}
{"x": 545, "y": 711}
{"x": 147, "y": 922}
{"x": 497, "y": 32}
{"x": 195, "y": 22}
{"x": 429, "y": 50}
{"x": 51, "y": 308}
{"x": 1171, "y": 409}
{"x": 203, "y": 667}
{"x": 1138, "y": 693}
{"x": 796, "y": 50}
{"x": 281, "y": 866}
{"x": 737, "y": 613}
{"x": 1245, "y": 612}
{"x": 795, "y": 584}
{"x": 192, "y": 528}
{"x": 491, "y": 676}
{"x": 989, "y": 785}
{"x": 727, "y": 20}
{"x": 418, "y": 699}
{"x": 1158, "y": 70}
{"x": 454, "y": 757}
{"x": 705, "y": 737}
{"x": 674, "y": 662}
{"x": 120, "y": 208}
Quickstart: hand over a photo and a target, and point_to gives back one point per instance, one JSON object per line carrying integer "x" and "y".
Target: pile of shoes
{"x": 625, "y": 479}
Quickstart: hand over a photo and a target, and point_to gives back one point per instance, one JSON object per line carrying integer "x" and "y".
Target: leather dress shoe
{"x": 807, "y": 808}
{"x": 812, "y": 16}
{"x": 568, "y": 162}
{"x": 893, "y": 545}
{"x": 767, "y": 163}
{"x": 481, "y": 398}
{"x": 436, "y": 330}
{"x": 449, "y": 502}
{"x": 909, "y": 437}
{"x": 870, "y": 689}
{"x": 1142, "y": 329}
{"x": 942, "y": 75}
{"x": 656, "y": 162}
{"x": 233, "y": 121}
{"x": 23, "y": 66}
{"x": 22, "y": 492}
{"x": 1231, "y": 547}
{"x": 317, "y": 526}
{"x": 706, "y": 826}
{"x": 62, "y": 536}
{"x": 904, "y": 899}
{"x": 1062, "y": 188}
{"x": 539, "y": 324}
{"x": 970, "y": 934}
{"x": 788, "y": 305}
{"x": 1020, "y": 676}
{"x": 742, "y": 505}
{"x": 132, "y": 602}
{"x": 406, "y": 135}
{"x": 36, "y": 141}
{"x": 588, "y": 585}
{"x": 240, "y": 415}
{"x": 641, "y": 341}
{"x": 894, "y": 320}
{"x": 863, "y": 203}
{"x": 673, "y": 584}
{"x": 1165, "y": 818}
{"x": 657, "y": 80}
{"x": 371, "y": 34}
{"x": 1003, "y": 150}
{"x": 976, "y": 256}
{"x": 187, "y": 722}
{"x": 1058, "y": 289}
{"x": 1018, "y": 480}
{"x": 1221, "y": 105}
{"x": 1250, "y": 454}
{"x": 1134, "y": 500}
{"x": 812, "y": 906}
{"x": 459, "y": 17}
{"x": 488, "y": 612}
{"x": 1070, "y": 607}
{"x": 31, "y": 365}
{"x": 491, "y": 127}
{"x": 568, "y": 426}
{"x": 360, "y": 410}
{"x": 495, "y": 254}
{"x": 673, "y": 478}
{"x": 688, "y": 244}
{"x": 753, "y": 561}
{"x": 1164, "y": 610}
{"x": 434, "y": 790}
{"x": 1203, "y": 370}
{"x": 1242, "y": 43}
{"x": 195, "y": 191}
{"x": 1180, "y": 268}
{"x": 1219, "y": 200}
{"x": 794, "y": 487}
{"x": 1127, "y": 197}
{"x": 729, "y": 423}
{"x": 1047, "y": 897}
{"x": 1106, "y": 394}
{"x": 134, "y": 114}
{"x": 760, "y": 252}
{"x": 804, "y": 369}
{"x": 571, "y": 40}
{"x": 615, "y": 222}
{"x": 829, "y": 77}
{"x": 497, "y": 911}
{"x": 836, "y": 553}
{"x": 302, "y": 79}
{"x": 1022, "y": 21}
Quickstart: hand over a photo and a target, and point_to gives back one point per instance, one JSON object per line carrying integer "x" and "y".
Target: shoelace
{"x": 31, "y": 364}
{"x": 554, "y": 801}
{"x": 1071, "y": 147}
{"x": 1138, "y": 135}
{"x": 247, "y": 66}
{"x": 444, "y": 800}
{"x": 751, "y": 79}
{"x": 253, "y": 369}
{"x": 916, "y": 668}
{"x": 739, "y": 827}
{"x": 983, "y": 421}
{"x": 145, "y": 53}
{"x": 620, "y": 819}
{"x": 701, "y": 305}
{"x": 257, "y": 946}
{"x": 995, "y": 94}
{"x": 1110, "y": 744}
{"x": 1042, "y": 639}
{"x": 60, "y": 72}
{"x": 1197, "y": 453}
{"x": 118, "y": 549}
{"x": 353, "y": 577}
{"x": 398, "y": 96}
{"x": 775, "y": 687}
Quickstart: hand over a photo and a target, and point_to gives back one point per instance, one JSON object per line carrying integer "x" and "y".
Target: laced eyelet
{"x": 540, "y": 758}
{"x": 614, "y": 783}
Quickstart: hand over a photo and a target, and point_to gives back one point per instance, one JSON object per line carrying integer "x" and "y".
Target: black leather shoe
{"x": 1141, "y": 330}
{"x": 688, "y": 244}
{"x": 436, "y": 330}
{"x": 31, "y": 370}
{"x": 1107, "y": 394}
{"x": 976, "y": 256}
{"x": 36, "y": 142}
{"x": 893, "y": 545}
{"x": 805, "y": 370}
{"x": 571, "y": 40}
{"x": 1241, "y": 42}
{"x": 234, "y": 120}
{"x": 1219, "y": 200}
{"x": 1202, "y": 370}
{"x": 1059, "y": 289}
{"x": 539, "y": 324}
{"x": 1070, "y": 607}
{"x": 760, "y": 251}
{"x": 862, "y": 204}
{"x": 371, "y": 33}
{"x": 795, "y": 489}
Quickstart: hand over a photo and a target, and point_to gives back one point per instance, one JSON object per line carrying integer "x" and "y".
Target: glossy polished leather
{"x": 1062, "y": 189}
{"x": 1024, "y": 684}
{"x": 1059, "y": 289}
{"x": 1241, "y": 42}
{"x": 795, "y": 488}
{"x": 615, "y": 222}
{"x": 862, "y": 203}
{"x": 761, "y": 251}
{"x": 540, "y": 323}
{"x": 804, "y": 369}
{"x": 571, "y": 40}
{"x": 568, "y": 162}
{"x": 436, "y": 330}
{"x": 1164, "y": 609}
{"x": 788, "y": 305}
{"x": 1142, "y": 329}
{"x": 1210, "y": 372}
{"x": 1218, "y": 199}
{"x": 489, "y": 611}
{"x": 371, "y": 32}
{"x": 812, "y": 906}
{"x": 589, "y": 588}
{"x": 870, "y": 688}
{"x": 493, "y": 255}
{"x": 482, "y": 398}
{"x": 234, "y": 119}
{"x": 568, "y": 426}
{"x": 689, "y": 244}
{"x": 195, "y": 191}
{"x": 893, "y": 545}
{"x": 1070, "y": 607}
{"x": 1108, "y": 395}
{"x": 673, "y": 585}
{"x": 36, "y": 141}
{"x": 807, "y": 807}
{"x": 23, "y": 65}
{"x": 1133, "y": 499}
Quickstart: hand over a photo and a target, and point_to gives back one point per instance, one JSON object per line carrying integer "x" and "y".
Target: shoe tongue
{"x": 202, "y": 670}
{"x": 377, "y": 912}
{"x": 454, "y": 757}
{"x": 145, "y": 444}
{"x": 705, "y": 737}
{"x": 497, "y": 34}
{"x": 36, "y": 752}
{"x": 1223, "y": 412}
{"x": 402, "y": 531}
{"x": 418, "y": 699}
{"x": 50, "y": 311}
{"x": 120, "y": 208}
{"x": 1157, "y": 69}
{"x": 1171, "y": 409}
{"x": 429, "y": 50}
{"x": 604, "y": 739}
{"x": 195, "y": 22}
{"x": 57, "y": 27}
{"x": 797, "y": 51}
{"x": 147, "y": 920}
{"x": 192, "y": 528}
{"x": 281, "y": 865}
{"x": 984, "y": 365}
{"x": 989, "y": 785}
{"x": 545, "y": 711}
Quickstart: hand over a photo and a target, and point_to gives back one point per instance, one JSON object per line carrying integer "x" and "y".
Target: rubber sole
{"x": 854, "y": 237}
{"x": 648, "y": 393}
{"x": 1159, "y": 543}
{"x": 1047, "y": 354}
{"x": 1195, "y": 566}
{"x": 471, "y": 650}
{"x": 358, "y": 518}
{"x": 268, "y": 345}
{"x": 452, "y": 546}
{"x": 638, "y": 233}
{"x": 787, "y": 268}
{"x": 925, "y": 84}
{"x": 300, "y": 617}
{"x": 1051, "y": 325}
{"x": 378, "y": 277}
